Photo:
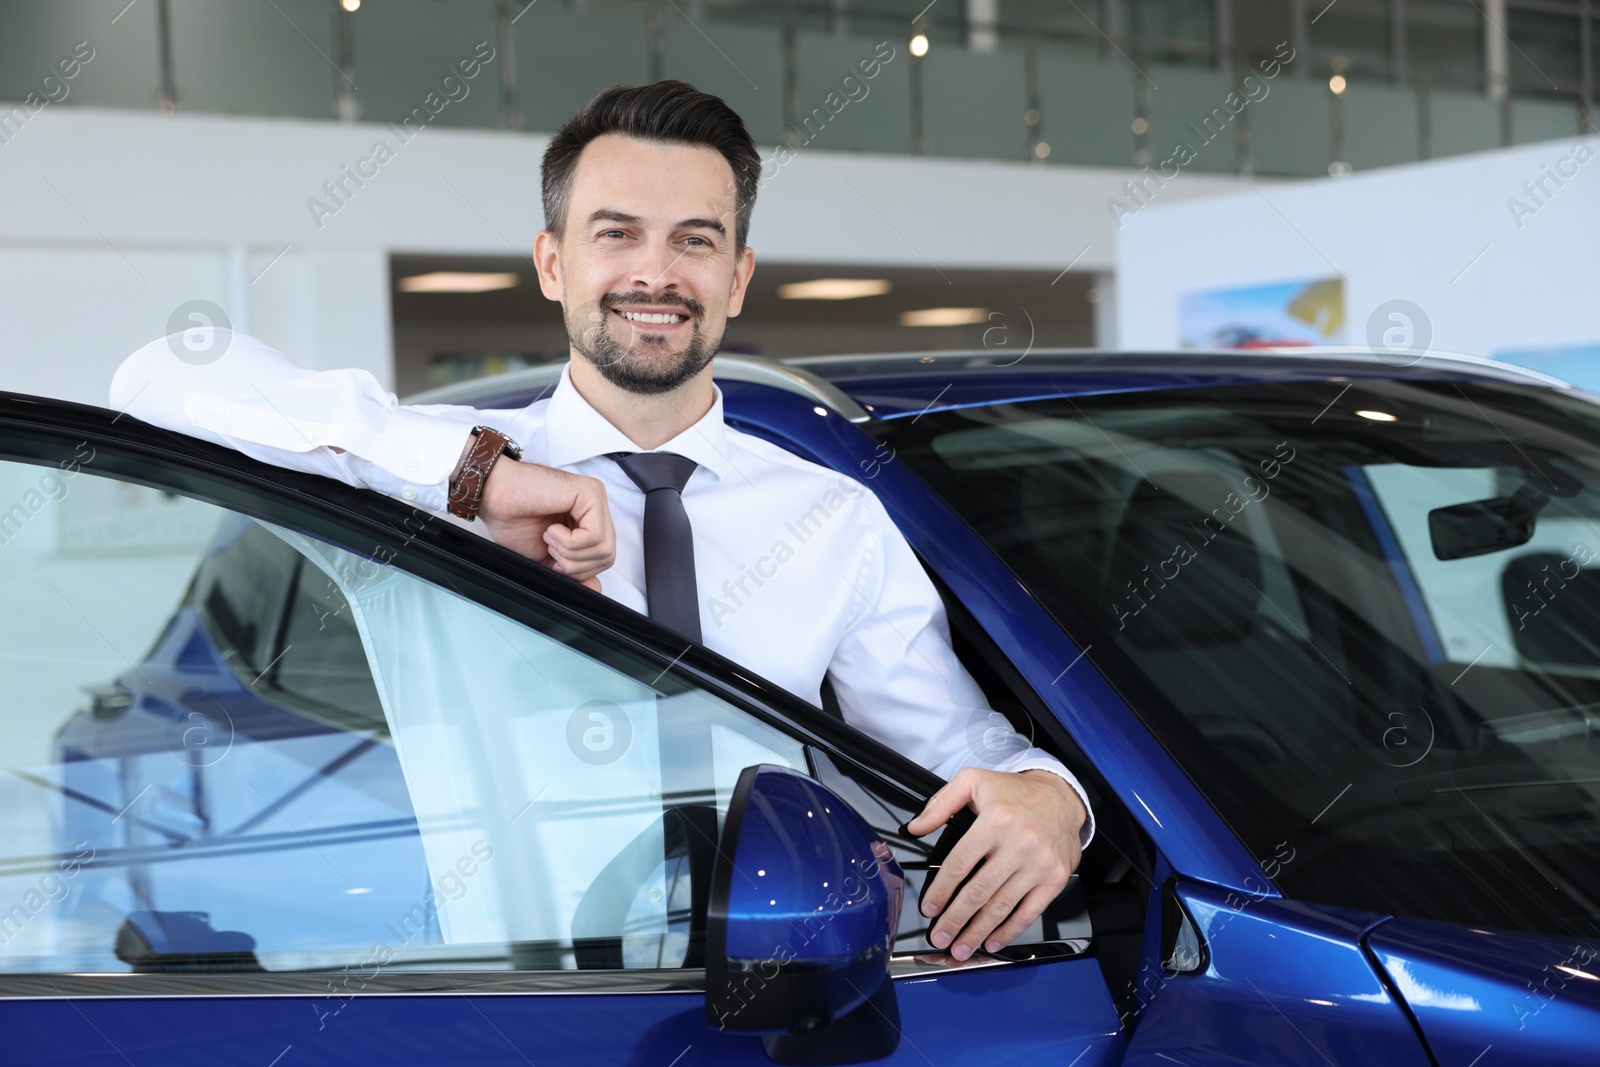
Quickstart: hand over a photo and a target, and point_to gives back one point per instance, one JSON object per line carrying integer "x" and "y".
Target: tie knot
{"x": 656, "y": 470}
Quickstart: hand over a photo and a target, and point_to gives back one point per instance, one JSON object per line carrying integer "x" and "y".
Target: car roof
{"x": 865, "y": 387}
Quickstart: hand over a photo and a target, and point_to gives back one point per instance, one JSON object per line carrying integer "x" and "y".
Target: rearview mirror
{"x": 801, "y": 920}
{"x": 1479, "y": 527}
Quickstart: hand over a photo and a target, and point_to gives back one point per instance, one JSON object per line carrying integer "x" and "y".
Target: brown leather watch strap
{"x": 472, "y": 472}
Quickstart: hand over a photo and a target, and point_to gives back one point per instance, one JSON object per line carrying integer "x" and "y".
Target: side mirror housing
{"x": 804, "y": 901}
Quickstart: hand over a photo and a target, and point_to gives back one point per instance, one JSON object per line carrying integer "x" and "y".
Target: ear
{"x": 743, "y": 267}
{"x": 547, "y": 262}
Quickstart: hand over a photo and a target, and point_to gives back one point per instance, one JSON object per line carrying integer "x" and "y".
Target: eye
{"x": 610, "y": 233}
{"x": 697, "y": 242}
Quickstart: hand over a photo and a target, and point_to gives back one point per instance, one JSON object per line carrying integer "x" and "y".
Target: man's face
{"x": 646, "y": 272}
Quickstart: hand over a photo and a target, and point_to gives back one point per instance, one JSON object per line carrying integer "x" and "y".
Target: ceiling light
{"x": 1042, "y": 149}
{"x": 943, "y": 316}
{"x": 1337, "y": 84}
{"x": 457, "y": 281}
{"x": 834, "y": 289}
{"x": 1377, "y": 416}
{"x": 919, "y": 45}
{"x": 350, "y": 5}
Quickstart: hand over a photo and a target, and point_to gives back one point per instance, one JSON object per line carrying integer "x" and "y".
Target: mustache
{"x": 692, "y": 307}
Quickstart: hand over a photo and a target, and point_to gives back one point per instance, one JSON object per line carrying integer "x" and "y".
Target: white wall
{"x": 111, "y": 220}
{"x": 1438, "y": 234}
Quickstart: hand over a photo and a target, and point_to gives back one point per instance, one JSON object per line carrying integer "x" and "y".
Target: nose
{"x": 655, "y": 268}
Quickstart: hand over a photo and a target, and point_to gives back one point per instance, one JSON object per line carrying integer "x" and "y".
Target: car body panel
{"x": 903, "y": 386}
{"x": 1046, "y": 1018}
{"x": 1535, "y": 999}
{"x": 1285, "y": 983}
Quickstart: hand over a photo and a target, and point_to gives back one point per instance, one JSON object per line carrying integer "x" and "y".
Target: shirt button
{"x": 409, "y": 493}
{"x": 413, "y": 463}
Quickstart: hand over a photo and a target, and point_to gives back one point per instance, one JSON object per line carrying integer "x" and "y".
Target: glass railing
{"x": 833, "y": 76}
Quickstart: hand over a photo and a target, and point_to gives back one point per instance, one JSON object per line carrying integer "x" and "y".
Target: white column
{"x": 239, "y": 286}
{"x": 1496, "y": 66}
{"x": 982, "y": 15}
{"x": 1105, "y": 310}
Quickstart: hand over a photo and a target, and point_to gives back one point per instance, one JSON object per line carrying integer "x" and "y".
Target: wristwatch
{"x": 472, "y": 472}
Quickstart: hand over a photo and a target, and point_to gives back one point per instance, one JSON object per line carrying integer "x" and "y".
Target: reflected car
{"x": 1319, "y": 633}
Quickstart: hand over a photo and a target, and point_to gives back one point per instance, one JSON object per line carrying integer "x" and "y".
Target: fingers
{"x": 592, "y": 515}
{"x": 577, "y": 546}
{"x": 956, "y": 795}
{"x": 987, "y": 889}
{"x": 582, "y": 563}
{"x": 588, "y": 546}
{"x": 992, "y": 911}
{"x": 971, "y": 850}
{"x": 1019, "y": 852}
{"x": 1032, "y": 906}
{"x": 566, "y": 512}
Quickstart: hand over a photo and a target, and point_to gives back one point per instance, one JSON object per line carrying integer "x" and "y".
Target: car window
{"x": 1360, "y": 615}
{"x": 231, "y": 745}
{"x": 1490, "y": 609}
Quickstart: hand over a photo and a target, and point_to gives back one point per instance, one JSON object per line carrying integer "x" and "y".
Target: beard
{"x": 645, "y": 364}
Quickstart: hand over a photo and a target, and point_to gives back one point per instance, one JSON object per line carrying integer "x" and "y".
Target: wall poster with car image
{"x": 1289, "y": 314}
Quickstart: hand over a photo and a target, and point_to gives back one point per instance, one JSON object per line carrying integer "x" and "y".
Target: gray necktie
{"x": 669, "y": 583}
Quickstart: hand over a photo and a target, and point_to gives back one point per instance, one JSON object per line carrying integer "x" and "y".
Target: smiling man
{"x": 627, "y": 479}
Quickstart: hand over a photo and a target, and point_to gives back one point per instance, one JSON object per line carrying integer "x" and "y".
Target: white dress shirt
{"x": 802, "y": 574}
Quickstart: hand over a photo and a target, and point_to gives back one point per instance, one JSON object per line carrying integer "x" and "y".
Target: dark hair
{"x": 671, "y": 111}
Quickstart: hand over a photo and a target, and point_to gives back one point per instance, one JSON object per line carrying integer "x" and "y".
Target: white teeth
{"x": 659, "y": 320}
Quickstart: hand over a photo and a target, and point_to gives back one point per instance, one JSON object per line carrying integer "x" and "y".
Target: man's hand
{"x": 1026, "y": 837}
{"x": 552, "y": 516}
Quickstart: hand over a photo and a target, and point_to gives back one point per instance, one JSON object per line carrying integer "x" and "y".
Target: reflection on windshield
{"x": 1261, "y": 571}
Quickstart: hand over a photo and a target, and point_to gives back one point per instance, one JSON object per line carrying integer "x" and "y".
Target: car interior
{"x": 1260, "y": 616}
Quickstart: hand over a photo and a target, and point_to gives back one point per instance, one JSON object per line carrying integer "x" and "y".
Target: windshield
{"x": 1363, "y": 616}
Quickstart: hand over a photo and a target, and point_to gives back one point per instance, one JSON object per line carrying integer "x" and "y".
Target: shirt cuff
{"x": 422, "y": 449}
{"x": 1054, "y": 766}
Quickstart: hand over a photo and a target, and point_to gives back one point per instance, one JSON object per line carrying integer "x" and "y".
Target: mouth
{"x": 662, "y": 319}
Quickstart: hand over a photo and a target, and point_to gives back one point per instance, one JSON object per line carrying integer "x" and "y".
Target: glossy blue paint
{"x": 1490, "y": 998}
{"x": 906, "y": 386}
{"x": 1052, "y": 1013}
{"x": 1286, "y": 984}
{"x": 811, "y": 882}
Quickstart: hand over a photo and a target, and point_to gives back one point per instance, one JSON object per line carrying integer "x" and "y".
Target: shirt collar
{"x": 575, "y": 431}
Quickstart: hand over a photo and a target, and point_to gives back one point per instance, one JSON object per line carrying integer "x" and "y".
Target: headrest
{"x": 1553, "y": 608}
{"x": 1195, "y": 573}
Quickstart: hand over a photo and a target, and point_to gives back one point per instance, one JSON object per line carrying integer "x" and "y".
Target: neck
{"x": 648, "y": 421}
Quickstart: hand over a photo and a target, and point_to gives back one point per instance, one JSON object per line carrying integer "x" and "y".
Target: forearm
{"x": 898, "y": 677}
{"x": 341, "y": 424}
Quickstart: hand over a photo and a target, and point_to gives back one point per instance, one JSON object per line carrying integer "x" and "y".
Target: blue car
{"x": 1320, "y": 633}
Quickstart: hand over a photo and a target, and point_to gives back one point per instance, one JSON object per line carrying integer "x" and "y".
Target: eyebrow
{"x": 611, "y": 215}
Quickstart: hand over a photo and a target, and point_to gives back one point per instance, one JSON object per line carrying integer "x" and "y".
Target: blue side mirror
{"x": 801, "y": 920}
